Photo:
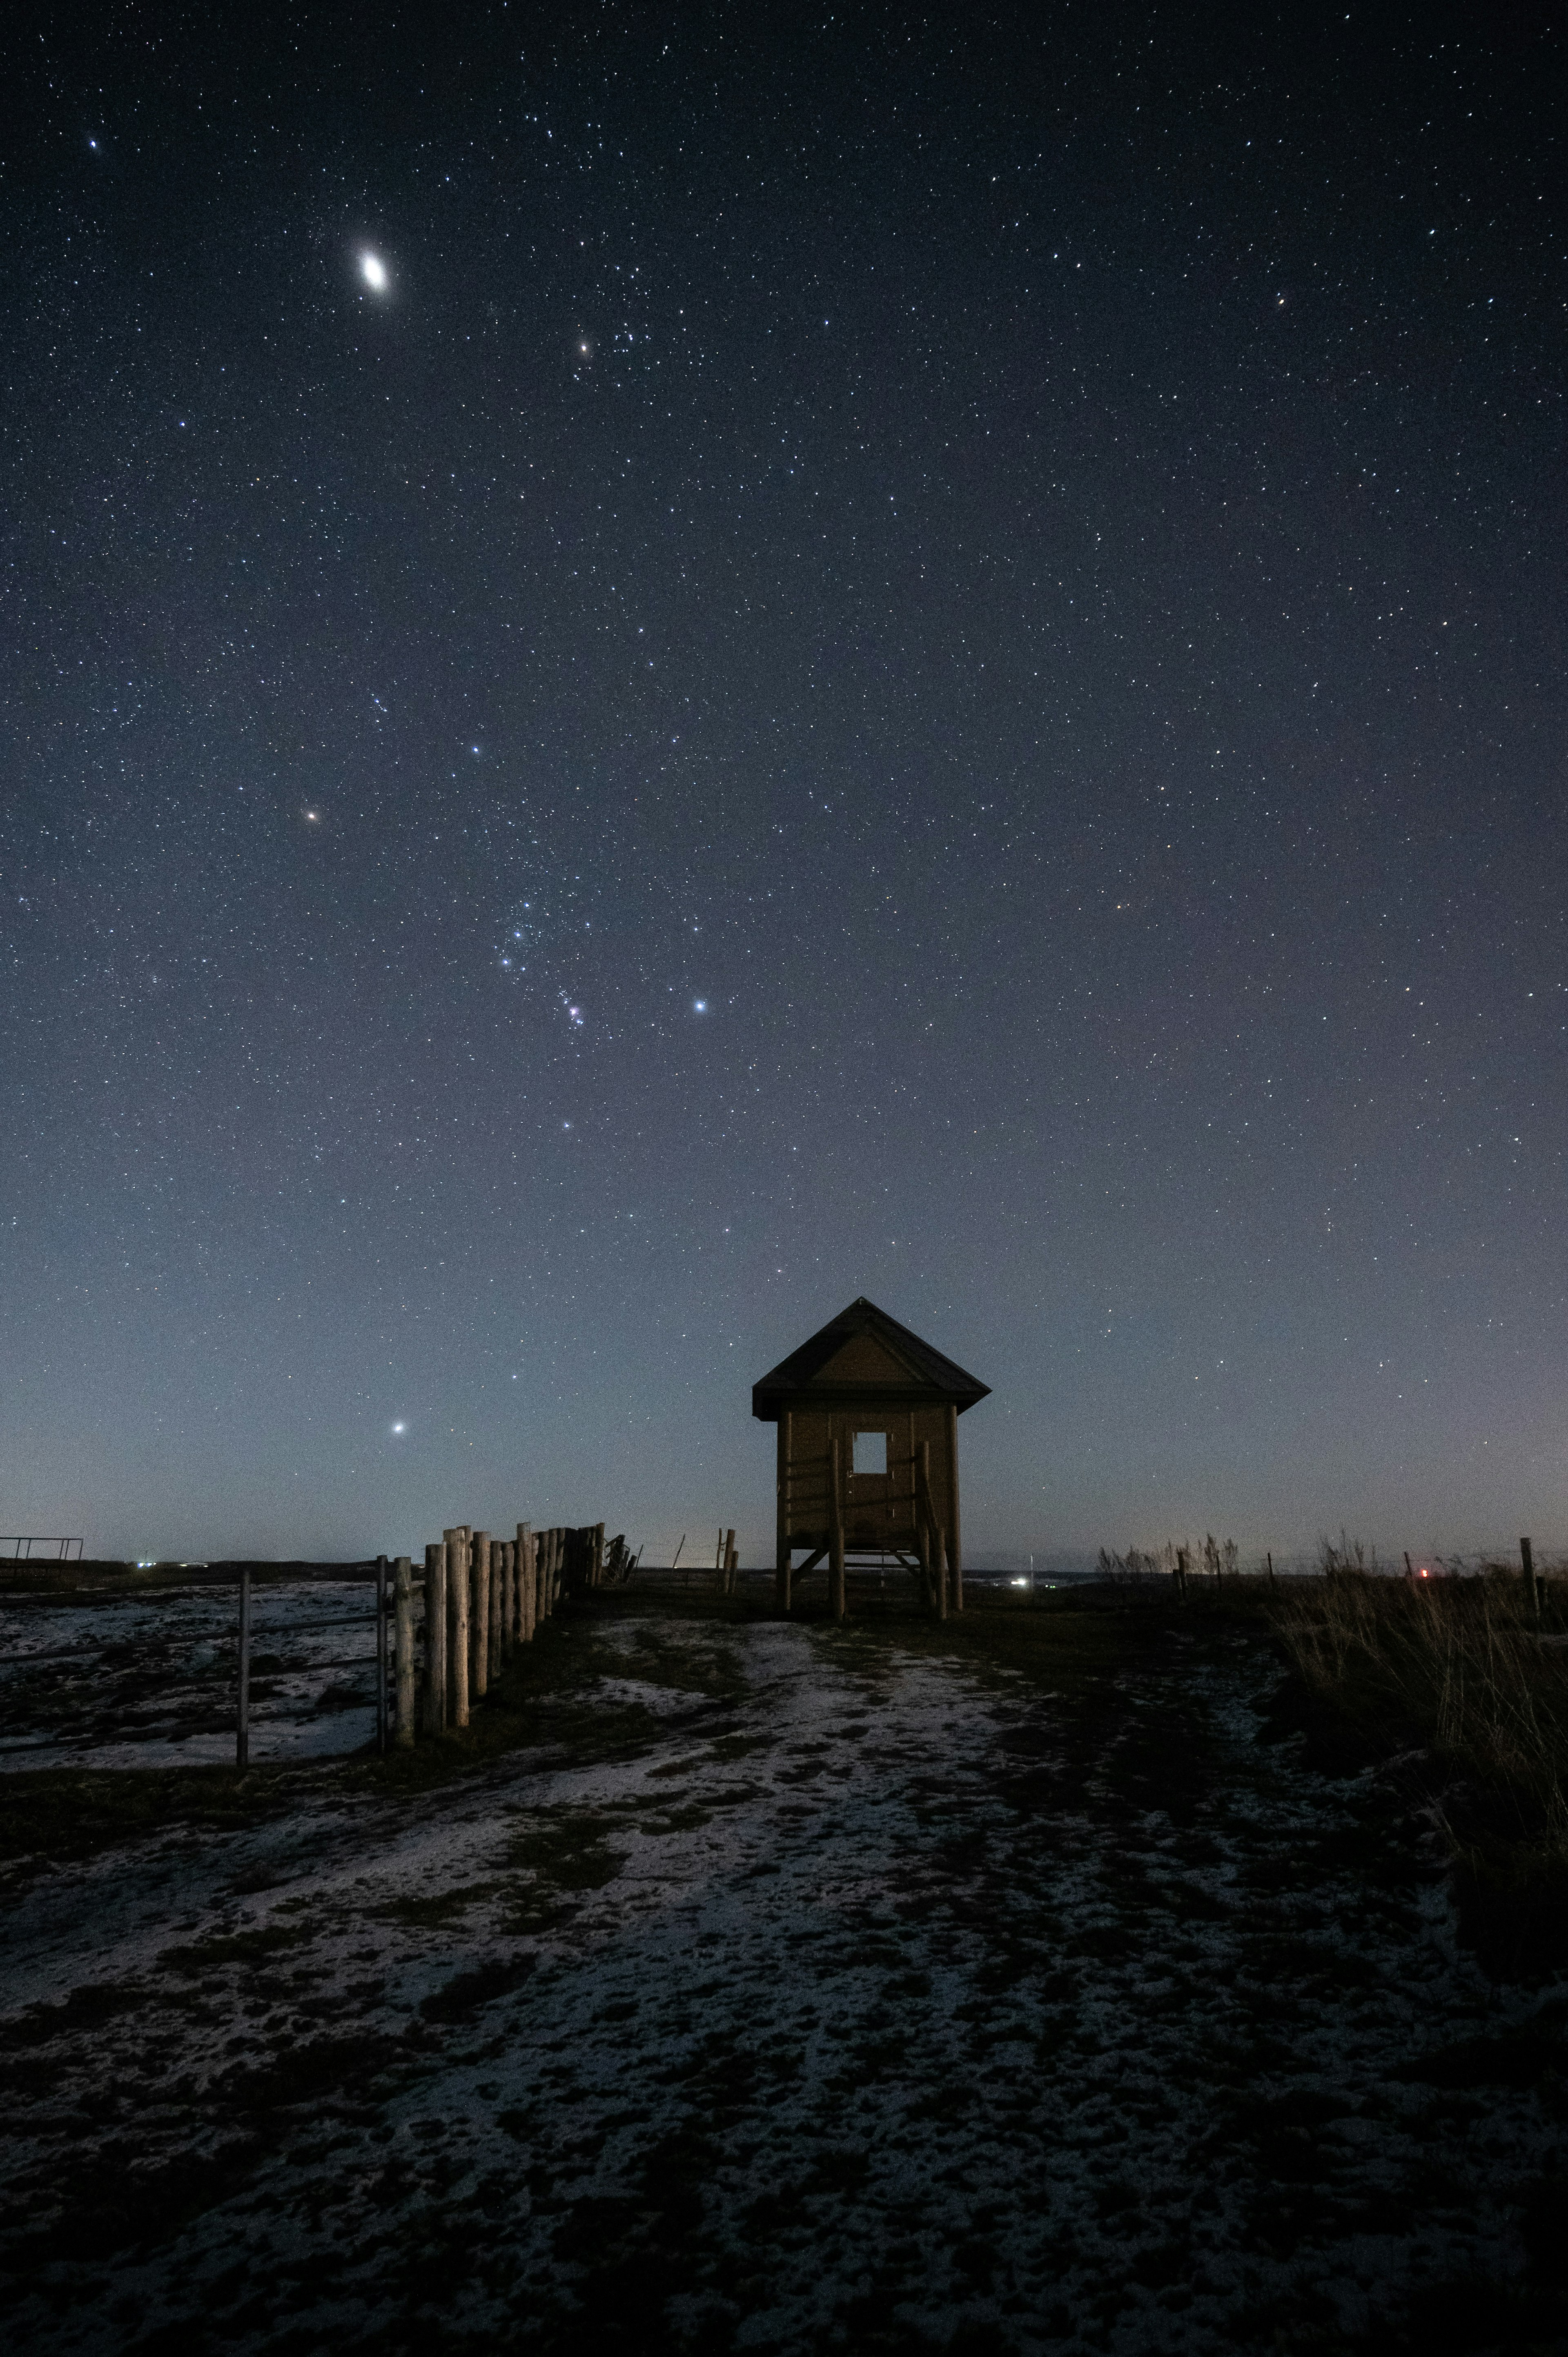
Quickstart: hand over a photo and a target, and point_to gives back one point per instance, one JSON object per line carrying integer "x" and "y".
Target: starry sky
{"x": 663, "y": 666}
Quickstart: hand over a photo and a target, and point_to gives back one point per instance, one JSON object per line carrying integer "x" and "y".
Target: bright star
{"x": 399, "y": 1427}
{"x": 375, "y": 272}
{"x": 701, "y": 1006}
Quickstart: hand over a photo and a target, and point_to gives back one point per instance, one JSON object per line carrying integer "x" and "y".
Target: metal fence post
{"x": 242, "y": 1715}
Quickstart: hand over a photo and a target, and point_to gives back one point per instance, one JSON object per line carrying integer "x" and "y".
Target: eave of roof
{"x": 931, "y": 1374}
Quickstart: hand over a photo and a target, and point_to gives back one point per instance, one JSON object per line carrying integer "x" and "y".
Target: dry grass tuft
{"x": 1466, "y": 1666}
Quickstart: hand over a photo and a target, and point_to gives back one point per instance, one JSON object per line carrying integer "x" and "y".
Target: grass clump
{"x": 1471, "y": 1669}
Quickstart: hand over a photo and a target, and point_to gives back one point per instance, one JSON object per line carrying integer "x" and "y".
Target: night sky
{"x": 661, "y": 667}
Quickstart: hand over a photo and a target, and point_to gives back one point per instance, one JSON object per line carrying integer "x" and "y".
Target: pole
{"x": 435, "y": 1638}
{"x": 1531, "y": 1586}
{"x": 457, "y": 1623}
{"x": 242, "y": 1715}
{"x": 955, "y": 1546}
{"x": 835, "y": 1559}
{"x": 782, "y": 1546}
{"x": 927, "y": 1527}
{"x": 381, "y": 1655}
{"x": 525, "y": 1575}
{"x": 402, "y": 1603}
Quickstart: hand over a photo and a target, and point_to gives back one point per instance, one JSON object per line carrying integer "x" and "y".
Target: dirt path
{"x": 825, "y": 1994}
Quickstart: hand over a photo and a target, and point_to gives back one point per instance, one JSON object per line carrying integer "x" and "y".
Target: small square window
{"x": 871, "y": 1452}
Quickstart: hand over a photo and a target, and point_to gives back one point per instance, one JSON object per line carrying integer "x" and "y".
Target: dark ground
{"x": 1037, "y": 1982}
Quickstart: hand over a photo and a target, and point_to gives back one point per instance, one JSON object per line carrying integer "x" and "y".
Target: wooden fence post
{"x": 1531, "y": 1586}
{"x": 458, "y": 1628}
{"x": 242, "y": 1709}
{"x": 403, "y": 1606}
{"x": 729, "y": 1563}
{"x": 381, "y": 1655}
{"x": 500, "y": 1641}
{"x": 526, "y": 1600}
{"x": 479, "y": 1617}
{"x": 435, "y": 1638}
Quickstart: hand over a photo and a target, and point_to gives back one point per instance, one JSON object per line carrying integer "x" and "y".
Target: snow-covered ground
{"x": 794, "y": 1991}
{"x": 148, "y": 1680}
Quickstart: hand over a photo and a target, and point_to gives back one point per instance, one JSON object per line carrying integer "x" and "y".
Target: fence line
{"x": 443, "y": 1634}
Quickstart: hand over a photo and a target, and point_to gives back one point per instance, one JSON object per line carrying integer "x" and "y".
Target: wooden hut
{"x": 867, "y": 1416}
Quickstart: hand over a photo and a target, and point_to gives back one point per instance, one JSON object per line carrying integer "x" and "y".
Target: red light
{"x": 1424, "y": 1573}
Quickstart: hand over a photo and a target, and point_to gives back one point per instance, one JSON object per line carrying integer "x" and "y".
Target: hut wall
{"x": 879, "y": 1509}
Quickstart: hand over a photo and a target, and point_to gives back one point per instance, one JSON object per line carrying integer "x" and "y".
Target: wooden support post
{"x": 926, "y": 1522}
{"x": 479, "y": 1617}
{"x": 599, "y": 1577}
{"x": 242, "y": 1691}
{"x": 498, "y": 1631}
{"x": 940, "y": 1570}
{"x": 526, "y": 1578}
{"x": 955, "y": 1551}
{"x": 500, "y": 1645}
{"x": 402, "y": 1608}
{"x": 457, "y": 1624}
{"x": 729, "y": 1562}
{"x": 835, "y": 1560}
{"x": 435, "y": 1638}
{"x": 381, "y": 1655}
{"x": 782, "y": 1547}
{"x": 1531, "y": 1585}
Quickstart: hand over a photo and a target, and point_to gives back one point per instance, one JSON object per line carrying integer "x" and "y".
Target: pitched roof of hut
{"x": 863, "y": 1354}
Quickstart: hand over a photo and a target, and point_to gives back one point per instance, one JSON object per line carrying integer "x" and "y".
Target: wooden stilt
{"x": 782, "y": 1548}
{"x": 403, "y": 1639}
{"x": 939, "y": 1571}
{"x": 435, "y": 1638}
{"x": 926, "y": 1524}
{"x": 836, "y": 1577}
{"x": 955, "y": 1551}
